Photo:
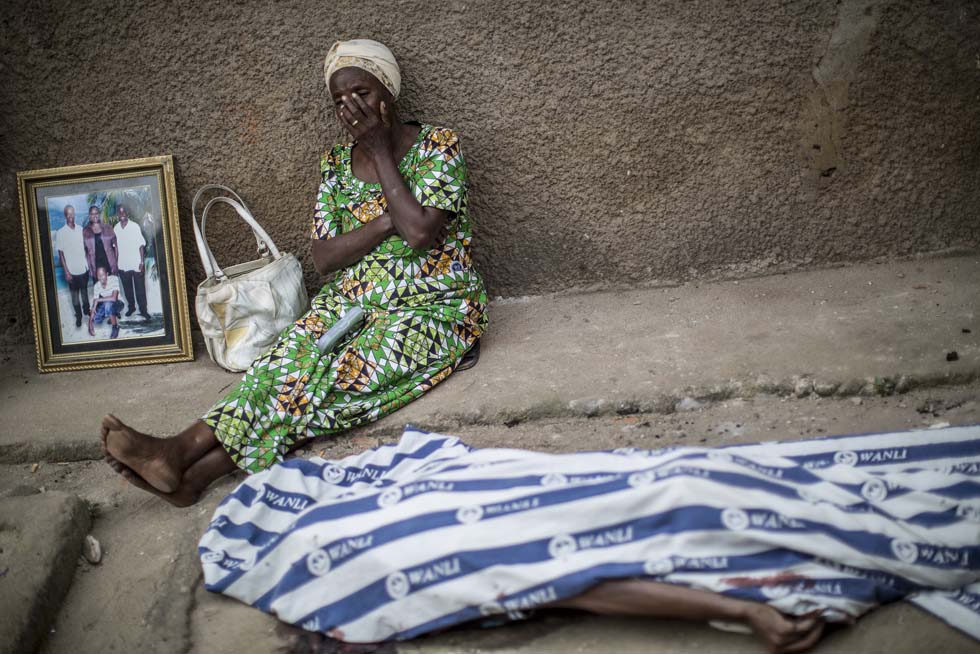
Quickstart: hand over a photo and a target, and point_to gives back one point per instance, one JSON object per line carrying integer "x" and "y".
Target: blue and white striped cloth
{"x": 429, "y": 533}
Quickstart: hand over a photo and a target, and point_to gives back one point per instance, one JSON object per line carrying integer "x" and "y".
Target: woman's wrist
{"x": 387, "y": 225}
{"x": 745, "y": 611}
{"x": 385, "y": 167}
{"x": 378, "y": 150}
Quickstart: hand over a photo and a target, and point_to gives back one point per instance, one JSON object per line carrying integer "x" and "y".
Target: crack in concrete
{"x": 664, "y": 404}
{"x": 187, "y": 644}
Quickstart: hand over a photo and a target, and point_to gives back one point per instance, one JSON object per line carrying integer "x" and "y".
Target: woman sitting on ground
{"x": 391, "y": 215}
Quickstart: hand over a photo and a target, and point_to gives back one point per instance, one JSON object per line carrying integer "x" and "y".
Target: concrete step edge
{"x": 799, "y": 386}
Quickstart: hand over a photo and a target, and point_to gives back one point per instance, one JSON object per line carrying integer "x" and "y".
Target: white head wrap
{"x": 367, "y": 55}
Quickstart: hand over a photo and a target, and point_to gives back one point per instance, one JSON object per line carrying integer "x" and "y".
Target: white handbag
{"x": 243, "y": 308}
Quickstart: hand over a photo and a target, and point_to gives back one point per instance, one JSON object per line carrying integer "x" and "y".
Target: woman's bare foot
{"x": 145, "y": 456}
{"x": 182, "y": 497}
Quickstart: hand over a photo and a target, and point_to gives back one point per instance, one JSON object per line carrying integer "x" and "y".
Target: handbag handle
{"x": 263, "y": 242}
{"x": 207, "y": 257}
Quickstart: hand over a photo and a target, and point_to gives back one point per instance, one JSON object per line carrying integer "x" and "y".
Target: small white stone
{"x": 587, "y": 407}
{"x": 688, "y": 404}
{"x": 92, "y": 550}
{"x": 803, "y": 387}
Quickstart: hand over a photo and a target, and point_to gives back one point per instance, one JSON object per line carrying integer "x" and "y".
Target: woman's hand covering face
{"x": 368, "y": 126}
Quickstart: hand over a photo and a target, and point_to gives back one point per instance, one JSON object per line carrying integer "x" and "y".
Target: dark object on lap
{"x": 470, "y": 358}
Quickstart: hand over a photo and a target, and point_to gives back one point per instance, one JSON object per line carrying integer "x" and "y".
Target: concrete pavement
{"x": 858, "y": 349}
{"x": 862, "y": 330}
{"x": 146, "y": 595}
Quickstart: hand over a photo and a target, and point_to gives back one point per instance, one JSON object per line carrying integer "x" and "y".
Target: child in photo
{"x": 106, "y": 304}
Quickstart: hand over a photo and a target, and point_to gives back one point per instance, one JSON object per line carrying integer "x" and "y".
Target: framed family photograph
{"x": 105, "y": 271}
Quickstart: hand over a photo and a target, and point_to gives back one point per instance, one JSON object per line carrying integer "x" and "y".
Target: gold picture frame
{"x": 104, "y": 294}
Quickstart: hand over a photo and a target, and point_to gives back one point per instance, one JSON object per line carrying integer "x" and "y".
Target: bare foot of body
{"x": 147, "y": 457}
{"x": 182, "y": 497}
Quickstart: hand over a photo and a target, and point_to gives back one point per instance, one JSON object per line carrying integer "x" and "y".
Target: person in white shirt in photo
{"x": 106, "y": 304}
{"x": 70, "y": 245}
{"x": 132, "y": 260}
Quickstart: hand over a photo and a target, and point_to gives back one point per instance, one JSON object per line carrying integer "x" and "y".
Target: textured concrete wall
{"x": 610, "y": 143}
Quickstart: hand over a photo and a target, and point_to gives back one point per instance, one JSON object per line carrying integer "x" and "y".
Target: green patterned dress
{"x": 423, "y": 311}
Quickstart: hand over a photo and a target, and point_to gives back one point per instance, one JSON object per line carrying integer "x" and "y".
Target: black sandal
{"x": 470, "y": 358}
